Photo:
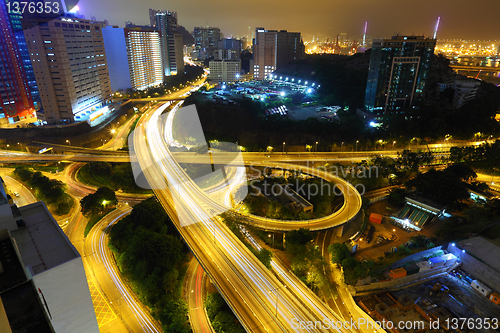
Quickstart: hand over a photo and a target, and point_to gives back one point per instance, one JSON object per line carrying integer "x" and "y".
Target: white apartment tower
{"x": 134, "y": 57}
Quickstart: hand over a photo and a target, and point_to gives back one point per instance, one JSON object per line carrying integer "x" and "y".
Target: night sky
{"x": 465, "y": 19}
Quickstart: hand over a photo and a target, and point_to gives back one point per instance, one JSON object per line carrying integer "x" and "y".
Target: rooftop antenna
{"x": 437, "y": 27}
{"x": 364, "y": 36}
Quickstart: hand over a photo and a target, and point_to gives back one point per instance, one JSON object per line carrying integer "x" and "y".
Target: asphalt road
{"x": 259, "y": 299}
{"x": 195, "y": 278}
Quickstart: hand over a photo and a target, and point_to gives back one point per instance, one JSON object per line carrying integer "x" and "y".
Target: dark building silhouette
{"x": 398, "y": 72}
{"x": 206, "y": 41}
{"x": 273, "y": 49}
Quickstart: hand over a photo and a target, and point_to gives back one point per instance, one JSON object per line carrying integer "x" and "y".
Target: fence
{"x": 426, "y": 275}
{"x": 415, "y": 256}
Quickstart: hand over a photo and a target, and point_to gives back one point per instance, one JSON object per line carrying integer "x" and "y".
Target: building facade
{"x": 230, "y": 44}
{"x": 69, "y": 61}
{"x": 134, "y": 57}
{"x": 115, "y": 47}
{"x": 272, "y": 49}
{"x": 230, "y": 54}
{"x": 224, "y": 70}
{"x": 19, "y": 97}
{"x": 465, "y": 91}
{"x": 229, "y": 49}
{"x": 398, "y": 72}
{"x": 170, "y": 42}
{"x": 152, "y": 16}
{"x": 52, "y": 266}
{"x": 205, "y": 41}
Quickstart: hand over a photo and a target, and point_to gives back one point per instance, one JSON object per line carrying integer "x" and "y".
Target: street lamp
{"x": 283, "y": 147}
{"x": 275, "y": 290}
{"x": 342, "y": 145}
{"x": 270, "y": 237}
{"x": 68, "y": 142}
{"x": 393, "y": 143}
{"x": 357, "y": 141}
{"x": 316, "y": 146}
{"x": 113, "y": 131}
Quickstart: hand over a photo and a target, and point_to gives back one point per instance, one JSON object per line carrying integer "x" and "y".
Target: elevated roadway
{"x": 261, "y": 302}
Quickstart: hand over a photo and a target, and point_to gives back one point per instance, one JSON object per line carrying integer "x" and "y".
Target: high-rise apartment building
{"x": 206, "y": 41}
{"x": 179, "y": 53}
{"x": 229, "y": 54}
{"x": 273, "y": 49}
{"x": 226, "y": 66}
{"x": 398, "y": 72}
{"x": 229, "y": 49}
{"x": 19, "y": 97}
{"x": 230, "y": 44}
{"x": 152, "y": 16}
{"x": 69, "y": 61}
{"x": 134, "y": 57}
{"x": 170, "y": 42}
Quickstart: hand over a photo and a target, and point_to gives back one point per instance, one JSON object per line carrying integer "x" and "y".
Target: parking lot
{"x": 270, "y": 92}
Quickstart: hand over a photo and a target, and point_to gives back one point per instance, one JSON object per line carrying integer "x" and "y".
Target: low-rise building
{"x": 465, "y": 91}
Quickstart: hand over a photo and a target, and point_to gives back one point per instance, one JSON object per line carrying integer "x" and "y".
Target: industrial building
{"x": 417, "y": 211}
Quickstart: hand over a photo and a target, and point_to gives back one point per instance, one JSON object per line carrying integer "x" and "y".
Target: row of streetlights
{"x": 308, "y": 147}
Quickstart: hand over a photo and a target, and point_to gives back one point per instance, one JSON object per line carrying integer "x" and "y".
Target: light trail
{"x": 223, "y": 249}
{"x": 102, "y": 254}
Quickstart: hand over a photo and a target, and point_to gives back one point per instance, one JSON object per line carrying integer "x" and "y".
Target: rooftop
{"x": 425, "y": 200}
{"x": 483, "y": 249}
{"x": 42, "y": 243}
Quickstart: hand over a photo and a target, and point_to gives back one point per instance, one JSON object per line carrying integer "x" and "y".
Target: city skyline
{"x": 319, "y": 17}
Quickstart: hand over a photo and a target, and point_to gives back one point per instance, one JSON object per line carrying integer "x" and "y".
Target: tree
{"x": 349, "y": 263}
{"x": 396, "y": 196}
{"x": 296, "y": 240}
{"x": 462, "y": 172}
{"x": 339, "y": 252}
{"x": 413, "y": 160}
{"x": 442, "y": 186}
{"x": 265, "y": 256}
{"x": 100, "y": 168}
{"x": 24, "y": 173}
{"x": 96, "y": 203}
